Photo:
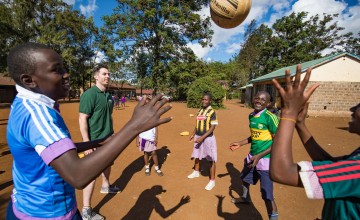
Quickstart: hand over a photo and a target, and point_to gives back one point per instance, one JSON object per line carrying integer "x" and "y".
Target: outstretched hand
{"x": 185, "y": 199}
{"x": 147, "y": 115}
{"x": 294, "y": 95}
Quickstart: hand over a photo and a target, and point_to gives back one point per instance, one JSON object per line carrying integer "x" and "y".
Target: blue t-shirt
{"x": 37, "y": 135}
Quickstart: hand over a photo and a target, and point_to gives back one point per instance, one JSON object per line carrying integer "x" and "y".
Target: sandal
{"x": 147, "y": 171}
{"x": 159, "y": 173}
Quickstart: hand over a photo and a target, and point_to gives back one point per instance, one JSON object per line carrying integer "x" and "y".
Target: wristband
{"x": 288, "y": 119}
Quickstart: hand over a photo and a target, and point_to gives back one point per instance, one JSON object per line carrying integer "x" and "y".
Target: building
{"x": 121, "y": 89}
{"x": 339, "y": 79}
{"x": 140, "y": 92}
{"x": 246, "y": 94}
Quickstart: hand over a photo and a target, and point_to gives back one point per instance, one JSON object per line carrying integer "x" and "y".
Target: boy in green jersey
{"x": 263, "y": 125}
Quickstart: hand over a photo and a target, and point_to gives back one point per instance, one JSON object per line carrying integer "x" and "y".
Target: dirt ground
{"x": 154, "y": 197}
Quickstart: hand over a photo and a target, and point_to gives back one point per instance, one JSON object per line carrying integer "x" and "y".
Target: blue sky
{"x": 227, "y": 42}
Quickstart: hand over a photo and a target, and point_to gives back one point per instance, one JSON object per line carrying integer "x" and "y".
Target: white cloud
{"x": 199, "y": 50}
{"x": 100, "y": 57}
{"x": 233, "y": 48}
{"x": 349, "y": 17}
{"x": 89, "y": 9}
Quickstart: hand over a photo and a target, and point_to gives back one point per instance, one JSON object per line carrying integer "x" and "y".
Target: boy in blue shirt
{"x": 46, "y": 166}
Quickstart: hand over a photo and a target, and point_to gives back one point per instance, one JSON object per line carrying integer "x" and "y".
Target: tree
{"x": 181, "y": 75}
{"x": 161, "y": 28}
{"x": 55, "y": 24}
{"x": 205, "y": 85}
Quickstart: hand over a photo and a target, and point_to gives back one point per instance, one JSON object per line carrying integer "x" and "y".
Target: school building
{"x": 125, "y": 89}
{"x": 338, "y": 76}
{"x": 140, "y": 92}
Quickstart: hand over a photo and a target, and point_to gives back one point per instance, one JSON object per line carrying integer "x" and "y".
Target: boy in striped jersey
{"x": 263, "y": 126}
{"x": 46, "y": 167}
{"x": 335, "y": 179}
{"x": 204, "y": 140}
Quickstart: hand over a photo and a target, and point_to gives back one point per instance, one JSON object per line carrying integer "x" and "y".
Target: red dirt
{"x": 140, "y": 198}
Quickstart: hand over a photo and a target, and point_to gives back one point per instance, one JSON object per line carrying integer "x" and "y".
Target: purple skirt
{"x": 147, "y": 146}
{"x": 206, "y": 149}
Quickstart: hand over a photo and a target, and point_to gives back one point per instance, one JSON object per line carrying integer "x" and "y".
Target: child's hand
{"x": 199, "y": 140}
{"x": 293, "y": 96}
{"x": 234, "y": 146}
{"x": 147, "y": 115}
{"x": 254, "y": 160}
{"x": 302, "y": 115}
{"x": 191, "y": 137}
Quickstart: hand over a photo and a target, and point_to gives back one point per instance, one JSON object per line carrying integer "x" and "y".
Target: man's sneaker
{"x": 194, "y": 174}
{"x": 89, "y": 214}
{"x": 109, "y": 189}
{"x": 210, "y": 185}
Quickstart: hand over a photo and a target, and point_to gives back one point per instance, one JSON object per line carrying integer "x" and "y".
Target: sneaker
{"x": 210, "y": 185}
{"x": 159, "y": 173}
{"x": 109, "y": 189}
{"x": 240, "y": 200}
{"x": 89, "y": 214}
{"x": 147, "y": 171}
{"x": 194, "y": 174}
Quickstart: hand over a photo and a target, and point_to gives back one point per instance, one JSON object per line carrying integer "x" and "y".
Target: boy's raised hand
{"x": 294, "y": 95}
{"x": 147, "y": 115}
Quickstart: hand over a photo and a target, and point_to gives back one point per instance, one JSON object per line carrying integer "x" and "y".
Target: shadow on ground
{"x": 147, "y": 202}
{"x": 134, "y": 167}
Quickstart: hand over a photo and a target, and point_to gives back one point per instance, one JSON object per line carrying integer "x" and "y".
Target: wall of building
{"x": 343, "y": 69}
{"x": 334, "y": 97}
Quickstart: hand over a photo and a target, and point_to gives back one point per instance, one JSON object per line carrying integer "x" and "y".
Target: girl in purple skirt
{"x": 204, "y": 140}
{"x": 147, "y": 141}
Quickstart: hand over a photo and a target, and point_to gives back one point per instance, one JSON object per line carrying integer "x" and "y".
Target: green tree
{"x": 181, "y": 75}
{"x": 55, "y": 24}
{"x": 205, "y": 85}
{"x": 161, "y": 28}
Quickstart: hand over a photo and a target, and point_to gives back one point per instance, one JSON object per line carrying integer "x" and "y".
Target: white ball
{"x": 229, "y": 13}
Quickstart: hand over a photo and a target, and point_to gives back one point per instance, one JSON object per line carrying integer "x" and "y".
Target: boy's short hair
{"x": 21, "y": 60}
{"x": 98, "y": 67}
{"x": 208, "y": 95}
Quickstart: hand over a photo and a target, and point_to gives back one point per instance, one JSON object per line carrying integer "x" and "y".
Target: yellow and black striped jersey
{"x": 204, "y": 119}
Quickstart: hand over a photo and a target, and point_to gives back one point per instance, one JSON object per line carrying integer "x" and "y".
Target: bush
{"x": 205, "y": 85}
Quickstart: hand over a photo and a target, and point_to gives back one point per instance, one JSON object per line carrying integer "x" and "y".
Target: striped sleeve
{"x": 213, "y": 118}
{"x": 273, "y": 122}
{"x": 46, "y": 131}
{"x": 339, "y": 179}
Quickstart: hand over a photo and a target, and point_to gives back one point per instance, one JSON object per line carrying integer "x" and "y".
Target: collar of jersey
{"x": 259, "y": 113}
{"x": 207, "y": 107}
{"x": 27, "y": 94}
{"x": 98, "y": 90}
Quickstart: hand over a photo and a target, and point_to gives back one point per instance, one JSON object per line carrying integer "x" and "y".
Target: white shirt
{"x": 149, "y": 135}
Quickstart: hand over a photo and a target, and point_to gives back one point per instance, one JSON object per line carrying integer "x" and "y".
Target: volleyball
{"x": 229, "y": 13}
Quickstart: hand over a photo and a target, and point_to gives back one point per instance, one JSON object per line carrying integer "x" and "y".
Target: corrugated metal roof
{"x": 246, "y": 86}
{"x": 280, "y": 73}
